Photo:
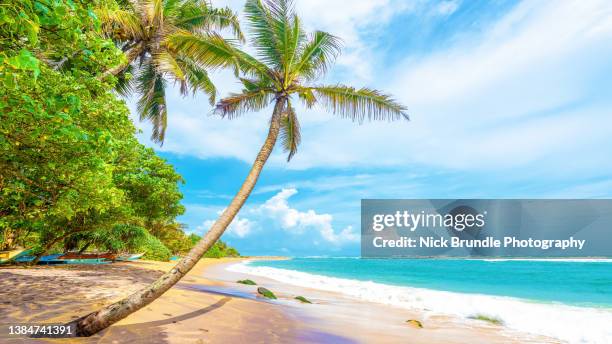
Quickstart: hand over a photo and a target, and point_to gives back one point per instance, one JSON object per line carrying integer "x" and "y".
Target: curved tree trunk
{"x": 97, "y": 321}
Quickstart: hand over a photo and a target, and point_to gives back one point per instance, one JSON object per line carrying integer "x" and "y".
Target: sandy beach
{"x": 207, "y": 306}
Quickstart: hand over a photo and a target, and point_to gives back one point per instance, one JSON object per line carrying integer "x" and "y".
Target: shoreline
{"x": 208, "y": 306}
{"x": 356, "y": 320}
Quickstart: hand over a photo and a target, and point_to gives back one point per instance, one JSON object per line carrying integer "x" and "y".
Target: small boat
{"x": 174, "y": 258}
{"x": 70, "y": 258}
{"x": 83, "y": 256}
{"x": 130, "y": 257}
{"x": 86, "y": 258}
{"x": 94, "y": 261}
{"x": 44, "y": 260}
{"x": 6, "y": 256}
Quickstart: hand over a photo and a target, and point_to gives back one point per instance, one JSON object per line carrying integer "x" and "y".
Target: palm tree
{"x": 289, "y": 61}
{"x": 142, "y": 29}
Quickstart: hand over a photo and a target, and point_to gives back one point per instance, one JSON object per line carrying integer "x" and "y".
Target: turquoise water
{"x": 575, "y": 283}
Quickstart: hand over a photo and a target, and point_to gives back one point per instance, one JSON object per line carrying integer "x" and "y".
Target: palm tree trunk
{"x": 97, "y": 321}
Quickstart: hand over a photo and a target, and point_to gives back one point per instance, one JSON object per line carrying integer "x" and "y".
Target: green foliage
{"x": 145, "y": 35}
{"x": 172, "y": 235}
{"x": 120, "y": 238}
{"x": 62, "y": 34}
{"x": 154, "y": 249}
{"x": 73, "y": 173}
{"x": 247, "y": 282}
{"x": 220, "y": 249}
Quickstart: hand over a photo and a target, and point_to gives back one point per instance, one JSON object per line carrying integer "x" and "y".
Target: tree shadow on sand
{"x": 152, "y": 331}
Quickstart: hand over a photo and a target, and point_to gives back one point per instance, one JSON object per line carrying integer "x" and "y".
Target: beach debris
{"x": 490, "y": 319}
{"x": 414, "y": 323}
{"x": 246, "y": 281}
{"x": 266, "y": 293}
{"x": 302, "y": 299}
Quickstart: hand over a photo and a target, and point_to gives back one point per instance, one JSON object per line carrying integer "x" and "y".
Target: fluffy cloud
{"x": 278, "y": 209}
{"x": 277, "y": 214}
{"x": 239, "y": 228}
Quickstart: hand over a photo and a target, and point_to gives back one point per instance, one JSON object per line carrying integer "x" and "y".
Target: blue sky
{"x": 508, "y": 99}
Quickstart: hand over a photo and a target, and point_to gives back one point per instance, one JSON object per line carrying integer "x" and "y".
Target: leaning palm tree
{"x": 288, "y": 62}
{"x": 142, "y": 29}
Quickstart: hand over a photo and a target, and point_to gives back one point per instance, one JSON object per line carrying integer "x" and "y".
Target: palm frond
{"x": 165, "y": 63}
{"x": 120, "y": 24}
{"x": 156, "y": 12}
{"x": 237, "y": 104}
{"x": 358, "y": 104}
{"x": 317, "y": 55}
{"x": 251, "y": 85}
{"x": 190, "y": 76}
{"x": 196, "y": 79}
{"x": 291, "y": 43}
{"x": 213, "y": 51}
{"x": 307, "y": 97}
{"x": 152, "y": 103}
{"x": 125, "y": 82}
{"x": 210, "y": 51}
{"x": 198, "y": 15}
{"x": 290, "y": 131}
{"x": 263, "y": 27}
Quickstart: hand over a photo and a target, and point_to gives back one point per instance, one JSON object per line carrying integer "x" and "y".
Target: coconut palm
{"x": 143, "y": 28}
{"x": 288, "y": 63}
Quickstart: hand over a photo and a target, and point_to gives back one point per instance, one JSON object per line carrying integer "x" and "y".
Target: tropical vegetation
{"x": 143, "y": 30}
{"x": 75, "y": 177}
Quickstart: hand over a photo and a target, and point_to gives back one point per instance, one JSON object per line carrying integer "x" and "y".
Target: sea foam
{"x": 569, "y": 323}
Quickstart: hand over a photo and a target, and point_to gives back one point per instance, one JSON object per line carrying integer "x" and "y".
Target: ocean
{"x": 567, "y": 299}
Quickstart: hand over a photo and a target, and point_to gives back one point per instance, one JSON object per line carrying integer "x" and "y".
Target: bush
{"x": 154, "y": 249}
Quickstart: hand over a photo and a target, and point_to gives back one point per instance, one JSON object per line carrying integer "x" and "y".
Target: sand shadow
{"x": 152, "y": 331}
{"x": 175, "y": 319}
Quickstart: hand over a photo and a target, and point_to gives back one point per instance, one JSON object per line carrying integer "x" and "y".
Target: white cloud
{"x": 290, "y": 219}
{"x": 240, "y": 227}
{"x": 447, "y": 8}
{"x": 276, "y": 210}
{"x": 352, "y": 21}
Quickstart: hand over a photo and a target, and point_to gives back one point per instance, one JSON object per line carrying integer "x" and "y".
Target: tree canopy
{"x": 72, "y": 171}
